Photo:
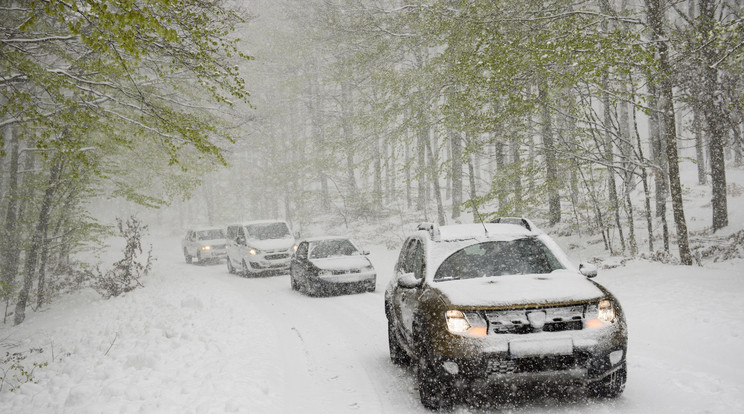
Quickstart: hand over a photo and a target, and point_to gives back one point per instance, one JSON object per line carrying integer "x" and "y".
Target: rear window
{"x": 497, "y": 258}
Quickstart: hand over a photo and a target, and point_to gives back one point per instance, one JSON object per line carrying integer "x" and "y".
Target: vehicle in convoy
{"x": 256, "y": 247}
{"x": 484, "y": 307}
{"x": 331, "y": 265}
{"x": 204, "y": 244}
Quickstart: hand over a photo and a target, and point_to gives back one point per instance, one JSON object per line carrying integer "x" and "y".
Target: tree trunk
{"x": 435, "y": 181}
{"x": 551, "y": 163}
{"x": 714, "y": 117}
{"x": 699, "y": 146}
{"x": 516, "y": 159}
{"x": 29, "y": 269}
{"x": 500, "y": 169}
{"x": 473, "y": 192}
{"x": 348, "y": 132}
{"x": 377, "y": 185}
{"x": 456, "y": 145}
{"x": 10, "y": 241}
{"x": 655, "y": 17}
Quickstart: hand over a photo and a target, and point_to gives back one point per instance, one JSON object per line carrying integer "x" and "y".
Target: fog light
{"x": 451, "y": 367}
{"x": 616, "y": 356}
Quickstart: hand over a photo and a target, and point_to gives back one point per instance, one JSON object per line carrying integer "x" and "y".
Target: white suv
{"x": 259, "y": 246}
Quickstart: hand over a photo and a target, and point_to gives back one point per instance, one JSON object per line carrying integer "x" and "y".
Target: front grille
{"x": 507, "y": 366}
{"x": 345, "y": 272}
{"x": 557, "y": 319}
{"x": 276, "y": 256}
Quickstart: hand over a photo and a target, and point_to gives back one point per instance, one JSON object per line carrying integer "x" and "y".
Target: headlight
{"x": 606, "y": 312}
{"x": 294, "y": 248}
{"x": 253, "y": 251}
{"x": 600, "y": 314}
{"x": 206, "y": 247}
{"x": 465, "y": 323}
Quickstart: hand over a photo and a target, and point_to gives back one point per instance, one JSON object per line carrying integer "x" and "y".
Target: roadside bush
{"x": 13, "y": 371}
{"x": 126, "y": 274}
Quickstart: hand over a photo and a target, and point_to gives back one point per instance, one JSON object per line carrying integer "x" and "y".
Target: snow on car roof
{"x": 323, "y": 238}
{"x": 248, "y": 223}
{"x": 205, "y": 228}
{"x": 477, "y": 231}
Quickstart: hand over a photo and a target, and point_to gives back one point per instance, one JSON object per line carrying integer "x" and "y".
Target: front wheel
{"x": 187, "y": 256}
{"x": 230, "y": 267}
{"x": 246, "y": 270}
{"x": 610, "y": 386}
{"x": 434, "y": 391}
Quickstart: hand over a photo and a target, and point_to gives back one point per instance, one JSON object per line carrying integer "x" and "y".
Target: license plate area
{"x": 530, "y": 348}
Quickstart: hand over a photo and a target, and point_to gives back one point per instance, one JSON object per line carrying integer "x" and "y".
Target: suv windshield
{"x": 497, "y": 258}
{"x": 328, "y": 248}
{"x": 210, "y": 234}
{"x": 268, "y": 231}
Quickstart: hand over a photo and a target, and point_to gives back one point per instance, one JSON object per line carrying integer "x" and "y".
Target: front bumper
{"x": 573, "y": 357}
{"x": 271, "y": 260}
{"x": 347, "y": 282}
{"x": 212, "y": 253}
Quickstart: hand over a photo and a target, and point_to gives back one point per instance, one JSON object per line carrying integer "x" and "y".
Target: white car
{"x": 204, "y": 244}
{"x": 255, "y": 247}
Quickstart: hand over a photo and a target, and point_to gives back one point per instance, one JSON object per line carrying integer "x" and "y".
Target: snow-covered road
{"x": 200, "y": 340}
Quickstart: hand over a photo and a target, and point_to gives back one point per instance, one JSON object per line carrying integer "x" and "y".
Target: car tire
{"x": 435, "y": 392}
{"x": 610, "y": 386}
{"x": 230, "y": 267}
{"x": 397, "y": 354}
{"x": 198, "y": 256}
{"x": 187, "y": 256}
{"x": 245, "y": 270}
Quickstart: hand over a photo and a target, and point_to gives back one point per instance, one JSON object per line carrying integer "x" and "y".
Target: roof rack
{"x": 431, "y": 228}
{"x": 519, "y": 221}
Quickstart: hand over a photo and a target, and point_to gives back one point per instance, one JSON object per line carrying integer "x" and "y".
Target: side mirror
{"x": 365, "y": 252}
{"x": 240, "y": 240}
{"x": 409, "y": 281}
{"x": 297, "y": 235}
{"x": 588, "y": 270}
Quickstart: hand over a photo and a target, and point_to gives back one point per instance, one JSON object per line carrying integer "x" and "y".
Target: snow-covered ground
{"x": 200, "y": 340}
{"x": 197, "y": 339}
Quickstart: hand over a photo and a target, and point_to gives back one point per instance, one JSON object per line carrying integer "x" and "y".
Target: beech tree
{"x": 91, "y": 84}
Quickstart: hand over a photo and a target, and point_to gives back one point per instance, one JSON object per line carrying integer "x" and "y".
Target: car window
{"x": 330, "y": 248}
{"x": 404, "y": 263}
{"x": 417, "y": 259}
{"x": 497, "y": 258}
{"x": 266, "y": 231}
{"x": 211, "y": 234}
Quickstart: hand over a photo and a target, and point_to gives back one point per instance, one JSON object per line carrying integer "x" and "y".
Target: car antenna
{"x": 479, "y": 216}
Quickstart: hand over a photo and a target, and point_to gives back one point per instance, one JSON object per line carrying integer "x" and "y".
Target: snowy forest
{"x": 615, "y": 125}
{"x": 576, "y": 113}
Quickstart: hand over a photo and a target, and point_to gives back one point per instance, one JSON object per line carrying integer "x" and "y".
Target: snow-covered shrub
{"x": 14, "y": 372}
{"x": 126, "y": 273}
{"x": 717, "y": 249}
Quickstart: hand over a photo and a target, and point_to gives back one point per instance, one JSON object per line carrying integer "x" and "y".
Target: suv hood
{"x": 560, "y": 286}
{"x": 271, "y": 244}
